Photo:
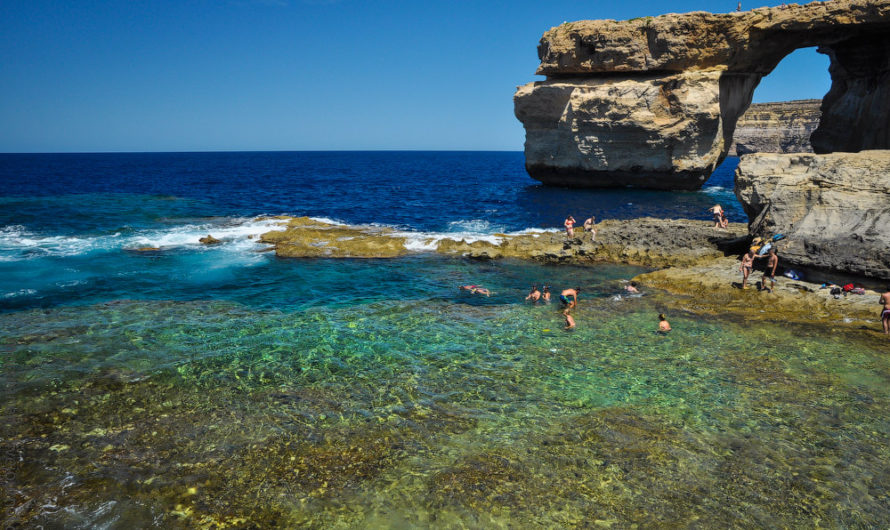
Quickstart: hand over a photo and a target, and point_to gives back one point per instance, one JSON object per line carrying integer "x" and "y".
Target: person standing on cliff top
{"x": 738, "y": 7}
{"x": 570, "y": 227}
{"x": 885, "y": 312}
{"x": 588, "y": 227}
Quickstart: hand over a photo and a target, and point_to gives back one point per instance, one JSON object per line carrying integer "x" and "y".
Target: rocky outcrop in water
{"x": 834, "y": 209}
{"x": 653, "y": 102}
{"x": 647, "y": 242}
{"x": 780, "y": 127}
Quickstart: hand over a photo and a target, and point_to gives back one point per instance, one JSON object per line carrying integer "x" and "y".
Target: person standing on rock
{"x": 770, "y": 271}
{"x": 885, "y": 312}
{"x": 746, "y": 267}
{"x": 588, "y": 227}
{"x": 717, "y": 210}
{"x": 570, "y": 227}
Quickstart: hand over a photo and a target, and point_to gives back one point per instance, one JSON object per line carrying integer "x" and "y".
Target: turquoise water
{"x": 211, "y": 387}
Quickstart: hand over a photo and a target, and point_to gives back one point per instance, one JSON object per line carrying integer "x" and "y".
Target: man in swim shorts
{"x": 885, "y": 312}
{"x": 746, "y": 267}
{"x": 588, "y": 227}
{"x": 717, "y": 210}
{"x": 569, "y": 298}
{"x": 534, "y": 295}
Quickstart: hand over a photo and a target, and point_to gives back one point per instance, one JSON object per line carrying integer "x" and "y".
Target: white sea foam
{"x": 20, "y": 292}
{"x": 18, "y": 243}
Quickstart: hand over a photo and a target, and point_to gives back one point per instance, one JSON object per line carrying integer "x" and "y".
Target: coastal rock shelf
{"x": 653, "y": 102}
{"x": 648, "y": 242}
{"x": 834, "y": 208}
{"x": 779, "y": 127}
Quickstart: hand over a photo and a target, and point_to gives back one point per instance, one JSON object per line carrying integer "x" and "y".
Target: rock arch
{"x": 653, "y": 102}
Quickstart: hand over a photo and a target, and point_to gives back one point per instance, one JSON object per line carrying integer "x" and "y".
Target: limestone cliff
{"x": 653, "y": 102}
{"x": 780, "y": 127}
{"x": 834, "y": 209}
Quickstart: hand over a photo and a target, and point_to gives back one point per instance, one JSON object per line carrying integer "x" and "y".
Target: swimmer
{"x": 570, "y": 227}
{"x": 475, "y": 289}
{"x": 588, "y": 227}
{"x": 534, "y": 295}
{"x": 885, "y": 312}
{"x": 569, "y": 298}
{"x": 663, "y": 325}
{"x": 546, "y": 295}
{"x": 632, "y": 288}
{"x": 570, "y": 322}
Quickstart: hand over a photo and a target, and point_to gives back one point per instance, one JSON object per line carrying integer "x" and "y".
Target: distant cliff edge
{"x": 779, "y": 127}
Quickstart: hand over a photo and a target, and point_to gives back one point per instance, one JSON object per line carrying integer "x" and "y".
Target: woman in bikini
{"x": 570, "y": 227}
{"x": 885, "y": 312}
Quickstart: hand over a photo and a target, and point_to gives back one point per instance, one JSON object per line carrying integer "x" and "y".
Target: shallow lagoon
{"x": 390, "y": 403}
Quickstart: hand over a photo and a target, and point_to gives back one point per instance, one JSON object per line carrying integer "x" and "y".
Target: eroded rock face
{"x": 780, "y": 127}
{"x": 675, "y": 85}
{"x": 834, "y": 209}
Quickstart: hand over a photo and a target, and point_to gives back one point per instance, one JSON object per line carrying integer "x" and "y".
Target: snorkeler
{"x": 475, "y": 289}
{"x": 546, "y": 295}
{"x": 534, "y": 295}
{"x": 663, "y": 325}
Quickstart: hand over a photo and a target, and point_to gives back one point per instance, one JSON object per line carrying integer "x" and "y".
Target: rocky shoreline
{"x": 694, "y": 263}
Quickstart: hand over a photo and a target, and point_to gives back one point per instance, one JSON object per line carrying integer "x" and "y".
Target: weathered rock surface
{"x": 209, "y": 240}
{"x": 647, "y": 242}
{"x": 710, "y": 288}
{"x": 780, "y": 127}
{"x": 675, "y": 86}
{"x": 834, "y": 209}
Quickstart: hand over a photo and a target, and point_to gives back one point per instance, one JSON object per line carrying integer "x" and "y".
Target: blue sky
{"x": 195, "y": 75}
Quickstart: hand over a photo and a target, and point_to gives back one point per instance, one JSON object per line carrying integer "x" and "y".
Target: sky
{"x": 216, "y": 75}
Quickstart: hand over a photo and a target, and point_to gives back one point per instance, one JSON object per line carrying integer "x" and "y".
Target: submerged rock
{"x": 833, "y": 209}
{"x": 653, "y": 102}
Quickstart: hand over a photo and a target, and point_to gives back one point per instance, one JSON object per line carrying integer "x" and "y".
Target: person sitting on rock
{"x": 724, "y": 221}
{"x": 534, "y": 295}
{"x": 588, "y": 227}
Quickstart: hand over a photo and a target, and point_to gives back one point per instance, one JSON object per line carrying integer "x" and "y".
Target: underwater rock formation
{"x": 834, "y": 209}
{"x": 778, "y": 127}
{"x": 653, "y": 102}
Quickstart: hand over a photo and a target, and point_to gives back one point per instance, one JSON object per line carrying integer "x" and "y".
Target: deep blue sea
{"x": 223, "y": 387}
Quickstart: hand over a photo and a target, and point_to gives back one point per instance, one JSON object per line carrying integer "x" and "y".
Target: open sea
{"x": 214, "y": 387}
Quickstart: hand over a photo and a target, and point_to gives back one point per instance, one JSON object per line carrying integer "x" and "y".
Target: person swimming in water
{"x": 534, "y": 295}
{"x": 663, "y": 325}
{"x": 475, "y": 289}
{"x": 632, "y": 288}
{"x": 545, "y": 296}
{"x": 570, "y": 322}
{"x": 569, "y": 298}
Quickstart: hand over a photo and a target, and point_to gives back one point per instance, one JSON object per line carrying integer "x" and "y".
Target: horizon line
{"x": 262, "y": 151}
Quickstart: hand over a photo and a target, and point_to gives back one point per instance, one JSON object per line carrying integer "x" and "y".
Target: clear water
{"x": 198, "y": 386}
